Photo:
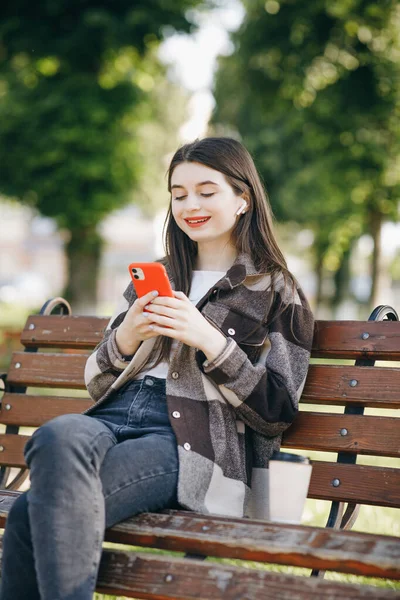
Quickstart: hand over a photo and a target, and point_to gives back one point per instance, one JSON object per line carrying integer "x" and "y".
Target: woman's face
{"x": 203, "y": 205}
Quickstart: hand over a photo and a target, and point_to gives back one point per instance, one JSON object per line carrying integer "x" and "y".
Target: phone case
{"x": 147, "y": 277}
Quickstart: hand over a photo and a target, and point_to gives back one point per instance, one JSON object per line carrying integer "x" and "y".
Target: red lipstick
{"x": 196, "y": 221}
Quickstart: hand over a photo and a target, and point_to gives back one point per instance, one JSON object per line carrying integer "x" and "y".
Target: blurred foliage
{"x": 83, "y": 98}
{"x": 313, "y": 89}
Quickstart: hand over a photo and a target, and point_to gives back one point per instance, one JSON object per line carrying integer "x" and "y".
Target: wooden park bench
{"x": 56, "y": 348}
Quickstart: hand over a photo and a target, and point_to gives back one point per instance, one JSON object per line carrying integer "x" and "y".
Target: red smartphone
{"x": 147, "y": 277}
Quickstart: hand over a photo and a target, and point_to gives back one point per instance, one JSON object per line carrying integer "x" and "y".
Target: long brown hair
{"x": 253, "y": 233}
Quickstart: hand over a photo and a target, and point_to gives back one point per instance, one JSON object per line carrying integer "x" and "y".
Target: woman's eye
{"x": 208, "y": 195}
{"x": 179, "y": 197}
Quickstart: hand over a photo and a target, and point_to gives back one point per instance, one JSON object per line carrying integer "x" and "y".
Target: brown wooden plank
{"x": 63, "y": 331}
{"x": 47, "y": 370}
{"x": 297, "y": 545}
{"x": 347, "y": 339}
{"x": 263, "y": 541}
{"x": 342, "y": 339}
{"x": 366, "y": 386}
{"x": 331, "y": 338}
{"x": 361, "y": 434}
{"x": 33, "y": 411}
{"x": 165, "y": 578}
{"x": 11, "y": 449}
{"x": 378, "y": 486}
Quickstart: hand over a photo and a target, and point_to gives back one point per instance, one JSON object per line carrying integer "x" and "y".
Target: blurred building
{"x": 33, "y": 264}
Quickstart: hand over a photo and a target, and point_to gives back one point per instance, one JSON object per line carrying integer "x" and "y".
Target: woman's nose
{"x": 192, "y": 202}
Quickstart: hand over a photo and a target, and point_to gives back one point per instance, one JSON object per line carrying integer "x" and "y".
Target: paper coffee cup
{"x": 289, "y": 479}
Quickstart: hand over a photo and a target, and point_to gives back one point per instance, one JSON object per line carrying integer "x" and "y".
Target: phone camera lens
{"x": 136, "y": 276}
{"x": 134, "y": 270}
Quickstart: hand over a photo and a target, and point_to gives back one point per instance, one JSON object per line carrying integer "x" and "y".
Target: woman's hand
{"x": 134, "y": 329}
{"x": 179, "y": 319}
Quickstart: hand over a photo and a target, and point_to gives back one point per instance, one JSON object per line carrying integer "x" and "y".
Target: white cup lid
{"x": 289, "y": 457}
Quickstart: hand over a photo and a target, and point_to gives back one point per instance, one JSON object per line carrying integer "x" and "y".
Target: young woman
{"x": 190, "y": 394}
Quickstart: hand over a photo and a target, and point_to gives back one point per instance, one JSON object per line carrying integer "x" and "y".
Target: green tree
{"x": 313, "y": 88}
{"x": 77, "y": 82}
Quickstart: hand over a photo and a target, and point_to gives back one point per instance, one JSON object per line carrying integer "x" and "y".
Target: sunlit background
{"x": 312, "y": 92}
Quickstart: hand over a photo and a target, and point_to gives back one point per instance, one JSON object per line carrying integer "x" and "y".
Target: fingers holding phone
{"x": 136, "y": 327}
{"x": 149, "y": 280}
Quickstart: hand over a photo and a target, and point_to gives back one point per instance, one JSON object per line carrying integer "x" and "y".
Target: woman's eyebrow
{"x": 197, "y": 184}
{"x": 206, "y": 182}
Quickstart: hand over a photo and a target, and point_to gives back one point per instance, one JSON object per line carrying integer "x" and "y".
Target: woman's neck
{"x": 210, "y": 258}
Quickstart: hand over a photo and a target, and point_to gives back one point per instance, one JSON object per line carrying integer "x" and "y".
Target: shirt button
{"x": 214, "y": 292}
{"x": 187, "y": 446}
{"x": 175, "y": 375}
{"x": 231, "y": 331}
{"x": 176, "y": 414}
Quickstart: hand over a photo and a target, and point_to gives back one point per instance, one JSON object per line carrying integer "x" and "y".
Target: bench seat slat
{"x": 161, "y": 578}
{"x": 138, "y": 575}
{"x": 32, "y": 411}
{"x": 297, "y": 545}
{"x": 264, "y": 541}
{"x": 344, "y": 339}
{"x": 375, "y": 386}
{"x": 378, "y": 436}
{"x": 47, "y": 370}
{"x": 58, "y": 331}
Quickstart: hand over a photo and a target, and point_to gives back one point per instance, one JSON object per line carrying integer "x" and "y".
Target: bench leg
{"x": 340, "y": 519}
{"x": 15, "y": 483}
{"x": 350, "y": 516}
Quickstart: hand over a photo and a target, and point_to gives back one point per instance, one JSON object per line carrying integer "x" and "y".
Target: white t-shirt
{"x": 202, "y": 282}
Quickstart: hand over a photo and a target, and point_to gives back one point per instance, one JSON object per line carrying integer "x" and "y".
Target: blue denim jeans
{"x": 87, "y": 473}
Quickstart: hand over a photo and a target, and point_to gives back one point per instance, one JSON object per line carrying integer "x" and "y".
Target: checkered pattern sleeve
{"x": 106, "y": 363}
{"x": 265, "y": 395}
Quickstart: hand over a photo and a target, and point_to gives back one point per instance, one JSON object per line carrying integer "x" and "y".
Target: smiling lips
{"x": 197, "y": 221}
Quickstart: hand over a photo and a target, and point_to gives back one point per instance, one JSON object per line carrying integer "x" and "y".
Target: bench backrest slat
{"x": 32, "y": 411}
{"x": 59, "y": 331}
{"x": 379, "y": 486}
{"x": 47, "y": 370}
{"x": 363, "y": 484}
{"x": 311, "y": 431}
{"x": 378, "y": 436}
{"x": 347, "y": 339}
{"x": 338, "y": 384}
{"x": 332, "y": 339}
{"x": 12, "y": 449}
{"x": 375, "y": 386}
{"x": 67, "y": 341}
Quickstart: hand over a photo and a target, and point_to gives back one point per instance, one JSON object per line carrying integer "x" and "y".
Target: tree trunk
{"x": 342, "y": 282}
{"x": 320, "y": 247}
{"x": 83, "y": 255}
{"x": 375, "y": 227}
{"x": 319, "y": 262}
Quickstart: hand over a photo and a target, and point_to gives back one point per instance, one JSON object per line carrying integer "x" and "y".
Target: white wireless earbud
{"x": 242, "y": 209}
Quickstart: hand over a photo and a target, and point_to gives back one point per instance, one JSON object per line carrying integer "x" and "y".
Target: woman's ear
{"x": 242, "y": 208}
